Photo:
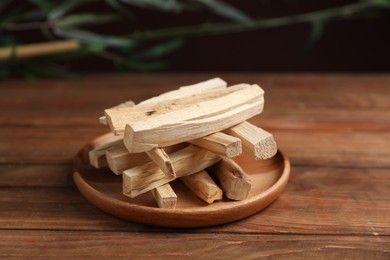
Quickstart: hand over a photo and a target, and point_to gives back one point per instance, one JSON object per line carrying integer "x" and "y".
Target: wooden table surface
{"x": 334, "y": 128}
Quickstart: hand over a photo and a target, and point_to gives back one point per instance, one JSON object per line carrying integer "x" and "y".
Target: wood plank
{"x": 220, "y": 143}
{"x": 72, "y": 244}
{"x": 36, "y": 175}
{"x": 203, "y": 186}
{"x": 256, "y": 142}
{"x": 165, "y": 196}
{"x": 317, "y": 200}
{"x": 148, "y": 176}
{"x": 311, "y": 147}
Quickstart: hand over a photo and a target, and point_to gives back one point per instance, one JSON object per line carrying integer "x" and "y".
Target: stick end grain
{"x": 265, "y": 149}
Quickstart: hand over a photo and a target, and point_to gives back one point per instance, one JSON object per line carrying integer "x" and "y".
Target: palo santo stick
{"x": 196, "y": 106}
{"x": 256, "y": 142}
{"x": 220, "y": 143}
{"x": 161, "y": 158}
{"x": 203, "y": 186}
{"x": 146, "y": 131}
{"x": 38, "y": 49}
{"x": 119, "y": 158}
{"x": 186, "y": 91}
{"x": 171, "y": 100}
{"x": 165, "y": 196}
{"x": 148, "y": 176}
{"x": 233, "y": 181}
{"x": 97, "y": 157}
{"x": 128, "y": 103}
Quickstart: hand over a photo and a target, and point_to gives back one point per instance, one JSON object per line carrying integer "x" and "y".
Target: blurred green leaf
{"x": 93, "y": 38}
{"x": 317, "y": 29}
{"x": 382, "y": 3}
{"x": 159, "y": 50}
{"x": 81, "y": 19}
{"x": 66, "y": 6}
{"x": 44, "y": 5}
{"x": 226, "y": 10}
{"x": 120, "y": 8}
{"x": 161, "y": 5}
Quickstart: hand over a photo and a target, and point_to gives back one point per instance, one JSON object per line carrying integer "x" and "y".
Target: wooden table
{"x": 334, "y": 128}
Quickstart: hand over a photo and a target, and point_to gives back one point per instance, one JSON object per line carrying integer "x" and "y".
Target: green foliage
{"x": 226, "y": 10}
{"x": 139, "y": 50}
{"x": 83, "y": 19}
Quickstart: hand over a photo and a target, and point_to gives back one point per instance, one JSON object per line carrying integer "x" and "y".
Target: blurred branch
{"x": 233, "y": 27}
{"x": 140, "y": 50}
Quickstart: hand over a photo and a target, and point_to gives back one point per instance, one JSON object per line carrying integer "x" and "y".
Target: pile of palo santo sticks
{"x": 189, "y": 134}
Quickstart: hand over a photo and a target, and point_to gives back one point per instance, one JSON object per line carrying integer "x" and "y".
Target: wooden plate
{"x": 104, "y": 190}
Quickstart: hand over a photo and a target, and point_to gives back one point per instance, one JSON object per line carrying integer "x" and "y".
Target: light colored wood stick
{"x": 144, "y": 132}
{"x": 197, "y": 106}
{"x": 186, "y": 91}
{"x": 129, "y": 103}
{"x": 161, "y": 158}
{"x": 119, "y": 159}
{"x": 148, "y": 176}
{"x": 203, "y": 186}
{"x": 220, "y": 143}
{"x": 165, "y": 196}
{"x": 97, "y": 157}
{"x": 39, "y": 49}
{"x": 256, "y": 142}
{"x": 189, "y": 96}
{"x": 233, "y": 181}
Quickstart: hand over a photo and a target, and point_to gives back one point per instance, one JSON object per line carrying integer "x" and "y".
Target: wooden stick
{"x": 97, "y": 157}
{"x": 186, "y": 91}
{"x": 220, "y": 143}
{"x": 195, "y": 106}
{"x": 203, "y": 186}
{"x": 129, "y": 103}
{"x": 144, "y": 132}
{"x": 189, "y": 96}
{"x": 165, "y": 196}
{"x": 161, "y": 158}
{"x": 38, "y": 49}
{"x": 233, "y": 181}
{"x": 119, "y": 159}
{"x": 148, "y": 176}
{"x": 256, "y": 142}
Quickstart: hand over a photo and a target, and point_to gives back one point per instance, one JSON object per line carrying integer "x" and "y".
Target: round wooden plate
{"x": 104, "y": 190}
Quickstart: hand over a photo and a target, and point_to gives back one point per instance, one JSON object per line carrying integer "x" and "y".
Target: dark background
{"x": 351, "y": 45}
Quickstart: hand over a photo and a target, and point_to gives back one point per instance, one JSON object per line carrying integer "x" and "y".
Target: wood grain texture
{"x": 255, "y": 141}
{"x": 203, "y": 186}
{"x": 188, "y": 118}
{"x": 165, "y": 196}
{"x": 334, "y": 128}
{"x": 121, "y": 245}
{"x": 220, "y": 143}
{"x": 148, "y": 176}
